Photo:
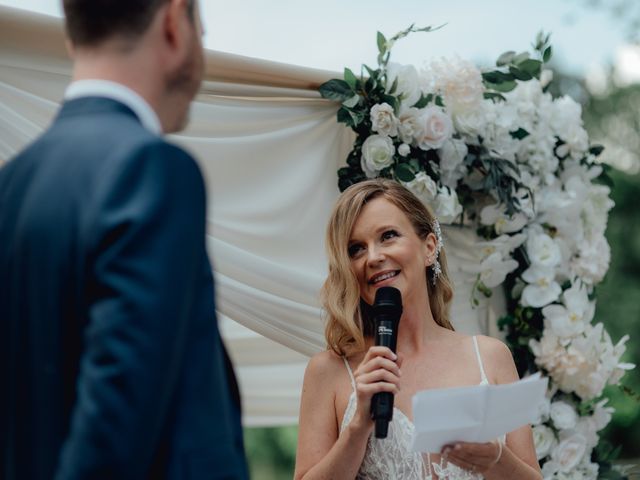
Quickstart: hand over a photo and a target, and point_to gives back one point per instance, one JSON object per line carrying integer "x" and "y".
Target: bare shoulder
{"x": 497, "y": 359}
{"x": 323, "y": 366}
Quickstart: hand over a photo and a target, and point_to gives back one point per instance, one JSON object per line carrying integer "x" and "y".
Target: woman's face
{"x": 385, "y": 251}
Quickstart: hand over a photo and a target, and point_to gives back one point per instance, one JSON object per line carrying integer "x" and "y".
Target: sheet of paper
{"x": 474, "y": 414}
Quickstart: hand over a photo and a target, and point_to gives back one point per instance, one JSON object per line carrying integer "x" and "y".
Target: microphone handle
{"x": 382, "y": 403}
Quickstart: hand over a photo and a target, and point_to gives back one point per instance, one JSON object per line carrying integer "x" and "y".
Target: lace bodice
{"x": 392, "y": 458}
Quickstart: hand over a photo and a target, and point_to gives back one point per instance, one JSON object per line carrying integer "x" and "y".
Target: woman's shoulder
{"x": 324, "y": 364}
{"x": 497, "y": 359}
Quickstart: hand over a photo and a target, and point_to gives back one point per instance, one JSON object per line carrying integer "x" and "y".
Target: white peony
{"x": 423, "y": 187}
{"x": 437, "y": 128}
{"x": 458, "y": 81}
{"x": 448, "y": 207}
{"x": 383, "y": 120}
{"x": 408, "y": 83}
{"x": 377, "y": 153}
{"x": 544, "y": 440}
{"x": 563, "y": 415}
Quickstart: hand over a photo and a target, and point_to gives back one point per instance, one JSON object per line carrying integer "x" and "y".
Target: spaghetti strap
{"x": 483, "y": 375}
{"x": 353, "y": 380}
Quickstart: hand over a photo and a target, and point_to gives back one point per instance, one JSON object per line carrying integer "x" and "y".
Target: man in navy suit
{"x": 111, "y": 363}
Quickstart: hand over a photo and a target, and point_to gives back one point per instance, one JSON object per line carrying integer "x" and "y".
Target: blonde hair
{"x": 347, "y": 324}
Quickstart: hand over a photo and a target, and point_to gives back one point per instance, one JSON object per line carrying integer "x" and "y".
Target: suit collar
{"x": 120, "y": 93}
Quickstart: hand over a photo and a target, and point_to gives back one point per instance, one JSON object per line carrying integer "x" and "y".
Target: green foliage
{"x": 271, "y": 452}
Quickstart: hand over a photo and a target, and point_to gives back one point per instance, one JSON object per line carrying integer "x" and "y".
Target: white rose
{"x": 377, "y": 153}
{"x": 410, "y": 126}
{"x": 423, "y": 187}
{"x": 544, "y": 440}
{"x": 563, "y": 415}
{"x": 408, "y": 86}
{"x": 448, "y": 207}
{"x": 437, "y": 128}
{"x": 452, "y": 155}
{"x": 404, "y": 150}
{"x": 383, "y": 120}
{"x": 569, "y": 453}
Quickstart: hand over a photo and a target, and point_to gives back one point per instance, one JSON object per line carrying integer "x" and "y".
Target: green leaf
{"x": 336, "y": 89}
{"x": 350, "y": 78}
{"x": 546, "y": 56}
{"x": 424, "y": 101}
{"x": 382, "y": 43}
{"x": 494, "y": 96}
{"x": 519, "y": 134}
{"x": 596, "y": 150}
{"x": 439, "y": 102}
{"x": 497, "y": 76}
{"x": 351, "y": 102}
{"x": 404, "y": 173}
{"x": 503, "y": 87}
{"x": 521, "y": 57}
{"x": 531, "y": 66}
{"x": 520, "y": 74}
{"x": 394, "y": 86}
{"x": 505, "y": 58}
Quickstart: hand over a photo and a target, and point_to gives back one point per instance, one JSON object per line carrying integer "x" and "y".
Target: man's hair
{"x": 91, "y": 22}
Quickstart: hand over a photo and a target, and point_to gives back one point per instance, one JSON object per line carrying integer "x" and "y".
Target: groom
{"x": 111, "y": 364}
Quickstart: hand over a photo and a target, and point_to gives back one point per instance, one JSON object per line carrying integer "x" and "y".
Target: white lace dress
{"x": 392, "y": 458}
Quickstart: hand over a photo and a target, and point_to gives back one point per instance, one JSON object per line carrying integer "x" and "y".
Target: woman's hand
{"x": 475, "y": 457}
{"x": 378, "y": 372}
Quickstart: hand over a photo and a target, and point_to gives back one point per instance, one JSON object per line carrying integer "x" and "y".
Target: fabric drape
{"x": 269, "y": 148}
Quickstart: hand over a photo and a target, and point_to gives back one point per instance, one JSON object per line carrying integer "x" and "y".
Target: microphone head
{"x": 388, "y": 299}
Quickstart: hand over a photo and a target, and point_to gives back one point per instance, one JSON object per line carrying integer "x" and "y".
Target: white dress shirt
{"x": 120, "y": 93}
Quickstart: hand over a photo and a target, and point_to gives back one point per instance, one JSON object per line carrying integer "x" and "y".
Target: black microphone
{"x": 387, "y": 309}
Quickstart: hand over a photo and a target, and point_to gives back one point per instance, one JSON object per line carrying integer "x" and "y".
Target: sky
{"x": 333, "y": 34}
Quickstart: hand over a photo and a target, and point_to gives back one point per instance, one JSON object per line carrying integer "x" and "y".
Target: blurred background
{"x": 596, "y": 61}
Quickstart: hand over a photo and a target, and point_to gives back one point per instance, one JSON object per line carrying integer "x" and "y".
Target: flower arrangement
{"x": 495, "y": 151}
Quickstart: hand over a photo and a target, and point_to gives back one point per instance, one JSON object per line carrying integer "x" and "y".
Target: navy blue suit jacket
{"x": 111, "y": 361}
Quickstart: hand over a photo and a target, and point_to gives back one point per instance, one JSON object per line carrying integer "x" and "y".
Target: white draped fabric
{"x": 269, "y": 148}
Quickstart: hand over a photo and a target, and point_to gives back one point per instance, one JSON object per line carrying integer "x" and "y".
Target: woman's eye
{"x": 354, "y": 250}
{"x": 389, "y": 234}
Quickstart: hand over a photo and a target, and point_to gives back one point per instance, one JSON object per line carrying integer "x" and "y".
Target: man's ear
{"x": 71, "y": 51}
{"x": 175, "y": 13}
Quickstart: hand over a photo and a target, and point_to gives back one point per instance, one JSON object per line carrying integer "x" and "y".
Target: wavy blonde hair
{"x": 347, "y": 322}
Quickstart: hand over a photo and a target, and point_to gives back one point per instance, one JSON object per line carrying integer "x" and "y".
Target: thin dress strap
{"x": 482, "y": 374}
{"x": 353, "y": 380}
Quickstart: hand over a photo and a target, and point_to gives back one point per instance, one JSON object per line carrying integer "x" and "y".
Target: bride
{"x": 380, "y": 234}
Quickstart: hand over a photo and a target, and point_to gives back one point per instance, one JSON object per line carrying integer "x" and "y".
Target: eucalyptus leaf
{"x": 494, "y": 96}
{"x": 519, "y": 134}
{"x": 424, "y": 101}
{"x": 505, "y": 58}
{"x": 521, "y": 57}
{"x": 336, "y": 89}
{"x": 503, "y": 87}
{"x": 496, "y": 76}
{"x": 546, "y": 56}
{"x": 520, "y": 74}
{"x": 531, "y": 66}
{"x": 382, "y": 43}
{"x": 439, "y": 102}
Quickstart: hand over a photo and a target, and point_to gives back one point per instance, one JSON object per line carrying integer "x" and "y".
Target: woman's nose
{"x": 374, "y": 255}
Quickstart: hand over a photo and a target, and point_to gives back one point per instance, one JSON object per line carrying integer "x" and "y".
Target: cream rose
{"x": 383, "y": 120}
{"x": 563, "y": 415}
{"x": 569, "y": 452}
{"x": 377, "y": 153}
{"x": 437, "y": 128}
{"x": 544, "y": 440}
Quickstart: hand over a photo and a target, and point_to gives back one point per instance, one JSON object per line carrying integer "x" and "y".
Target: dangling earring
{"x": 436, "y": 268}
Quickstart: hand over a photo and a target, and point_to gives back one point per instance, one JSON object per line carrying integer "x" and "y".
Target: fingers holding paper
{"x": 475, "y": 457}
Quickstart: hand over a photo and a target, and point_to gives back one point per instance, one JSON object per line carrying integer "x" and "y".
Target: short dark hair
{"x": 90, "y": 22}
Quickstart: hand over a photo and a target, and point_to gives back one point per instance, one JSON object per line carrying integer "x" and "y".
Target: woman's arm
{"x": 322, "y": 452}
{"x": 518, "y": 458}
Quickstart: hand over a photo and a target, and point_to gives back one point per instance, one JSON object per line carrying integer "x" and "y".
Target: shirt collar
{"x": 120, "y": 93}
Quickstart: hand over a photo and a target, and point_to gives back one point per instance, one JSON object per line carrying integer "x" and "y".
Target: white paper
{"x": 474, "y": 414}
